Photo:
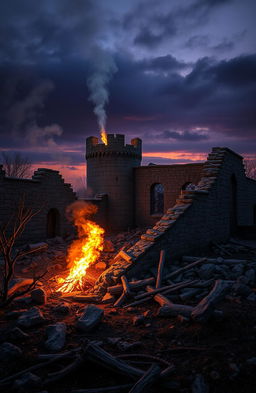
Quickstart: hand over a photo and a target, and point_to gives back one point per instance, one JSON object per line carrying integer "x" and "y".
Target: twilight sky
{"x": 180, "y": 74}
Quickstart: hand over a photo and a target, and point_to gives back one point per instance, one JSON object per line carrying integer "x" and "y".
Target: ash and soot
{"x": 85, "y": 250}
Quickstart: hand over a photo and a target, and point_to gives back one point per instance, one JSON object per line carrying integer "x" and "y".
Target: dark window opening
{"x": 157, "y": 199}
{"x": 188, "y": 186}
{"x": 53, "y": 223}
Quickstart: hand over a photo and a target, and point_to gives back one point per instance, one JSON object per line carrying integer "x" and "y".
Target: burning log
{"x": 205, "y": 307}
{"x": 160, "y": 269}
{"x": 97, "y": 355}
{"x": 84, "y": 251}
{"x": 147, "y": 380}
{"x": 83, "y": 298}
{"x": 134, "y": 285}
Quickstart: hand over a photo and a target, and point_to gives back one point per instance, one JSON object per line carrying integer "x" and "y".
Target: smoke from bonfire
{"x": 104, "y": 67}
{"x": 85, "y": 250}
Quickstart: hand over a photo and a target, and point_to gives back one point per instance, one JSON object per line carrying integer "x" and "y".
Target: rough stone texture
{"x": 56, "y": 336}
{"x": 90, "y": 318}
{"x": 45, "y": 190}
{"x": 198, "y": 217}
{"x": 30, "y": 318}
{"x": 27, "y": 382}
{"x": 110, "y": 170}
{"x": 38, "y": 295}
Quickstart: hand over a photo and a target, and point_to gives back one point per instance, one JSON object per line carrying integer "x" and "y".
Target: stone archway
{"x": 53, "y": 223}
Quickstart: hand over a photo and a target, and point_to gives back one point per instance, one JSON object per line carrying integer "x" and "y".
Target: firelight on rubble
{"x": 103, "y": 134}
{"x": 84, "y": 251}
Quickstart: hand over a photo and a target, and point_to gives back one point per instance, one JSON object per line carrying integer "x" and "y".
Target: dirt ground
{"x": 222, "y": 351}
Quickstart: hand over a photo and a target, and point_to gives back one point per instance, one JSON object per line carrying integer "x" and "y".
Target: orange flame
{"x": 103, "y": 134}
{"x": 84, "y": 251}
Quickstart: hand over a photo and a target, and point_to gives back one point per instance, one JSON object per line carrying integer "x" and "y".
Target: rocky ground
{"x": 214, "y": 355}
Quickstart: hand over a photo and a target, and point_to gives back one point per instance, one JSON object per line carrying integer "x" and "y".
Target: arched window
{"x": 53, "y": 223}
{"x": 188, "y": 186}
{"x": 157, "y": 199}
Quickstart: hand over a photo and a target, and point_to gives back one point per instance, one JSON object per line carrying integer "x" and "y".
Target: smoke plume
{"x": 103, "y": 69}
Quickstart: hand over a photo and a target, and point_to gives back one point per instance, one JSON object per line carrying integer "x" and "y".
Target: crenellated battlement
{"x": 115, "y": 146}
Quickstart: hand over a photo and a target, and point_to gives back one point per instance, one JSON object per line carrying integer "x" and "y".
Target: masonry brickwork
{"x": 172, "y": 178}
{"x": 110, "y": 171}
{"x": 47, "y": 191}
{"x": 223, "y": 199}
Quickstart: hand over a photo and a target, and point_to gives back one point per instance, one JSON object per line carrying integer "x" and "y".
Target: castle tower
{"x": 110, "y": 171}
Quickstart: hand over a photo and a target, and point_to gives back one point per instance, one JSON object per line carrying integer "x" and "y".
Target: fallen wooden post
{"x": 183, "y": 269}
{"x": 97, "y": 355}
{"x": 125, "y": 294}
{"x": 160, "y": 269}
{"x": 118, "y": 289}
{"x": 147, "y": 380}
{"x": 170, "y": 288}
{"x": 58, "y": 375}
{"x": 205, "y": 307}
{"x": 170, "y": 309}
{"x": 126, "y": 286}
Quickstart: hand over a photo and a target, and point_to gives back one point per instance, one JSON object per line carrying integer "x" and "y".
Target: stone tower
{"x": 110, "y": 171}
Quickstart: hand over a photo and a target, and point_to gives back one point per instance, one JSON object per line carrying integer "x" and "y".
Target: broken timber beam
{"x": 147, "y": 380}
{"x": 205, "y": 307}
{"x": 117, "y": 289}
{"x": 183, "y": 269}
{"x": 160, "y": 269}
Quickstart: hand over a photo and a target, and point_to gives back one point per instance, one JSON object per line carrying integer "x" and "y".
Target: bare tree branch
{"x": 7, "y": 240}
{"x": 16, "y": 165}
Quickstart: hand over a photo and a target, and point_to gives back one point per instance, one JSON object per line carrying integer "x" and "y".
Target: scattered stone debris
{"x": 38, "y": 296}
{"x": 90, "y": 318}
{"x": 30, "y": 318}
{"x": 56, "y": 337}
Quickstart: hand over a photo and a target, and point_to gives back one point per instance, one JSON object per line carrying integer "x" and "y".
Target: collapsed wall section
{"x": 46, "y": 191}
{"x": 198, "y": 217}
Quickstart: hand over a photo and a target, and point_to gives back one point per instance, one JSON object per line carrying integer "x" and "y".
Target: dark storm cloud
{"x": 34, "y": 31}
{"x": 167, "y": 63}
{"x": 183, "y": 135}
{"x": 153, "y": 24}
{"x": 215, "y": 95}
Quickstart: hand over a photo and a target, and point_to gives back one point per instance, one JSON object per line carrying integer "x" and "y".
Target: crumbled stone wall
{"x": 46, "y": 190}
{"x": 172, "y": 177}
{"x": 197, "y": 218}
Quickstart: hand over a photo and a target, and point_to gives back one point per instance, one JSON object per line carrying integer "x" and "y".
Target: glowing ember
{"x": 103, "y": 134}
{"x": 84, "y": 251}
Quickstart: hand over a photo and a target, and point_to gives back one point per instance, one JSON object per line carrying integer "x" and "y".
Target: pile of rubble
{"x": 191, "y": 292}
